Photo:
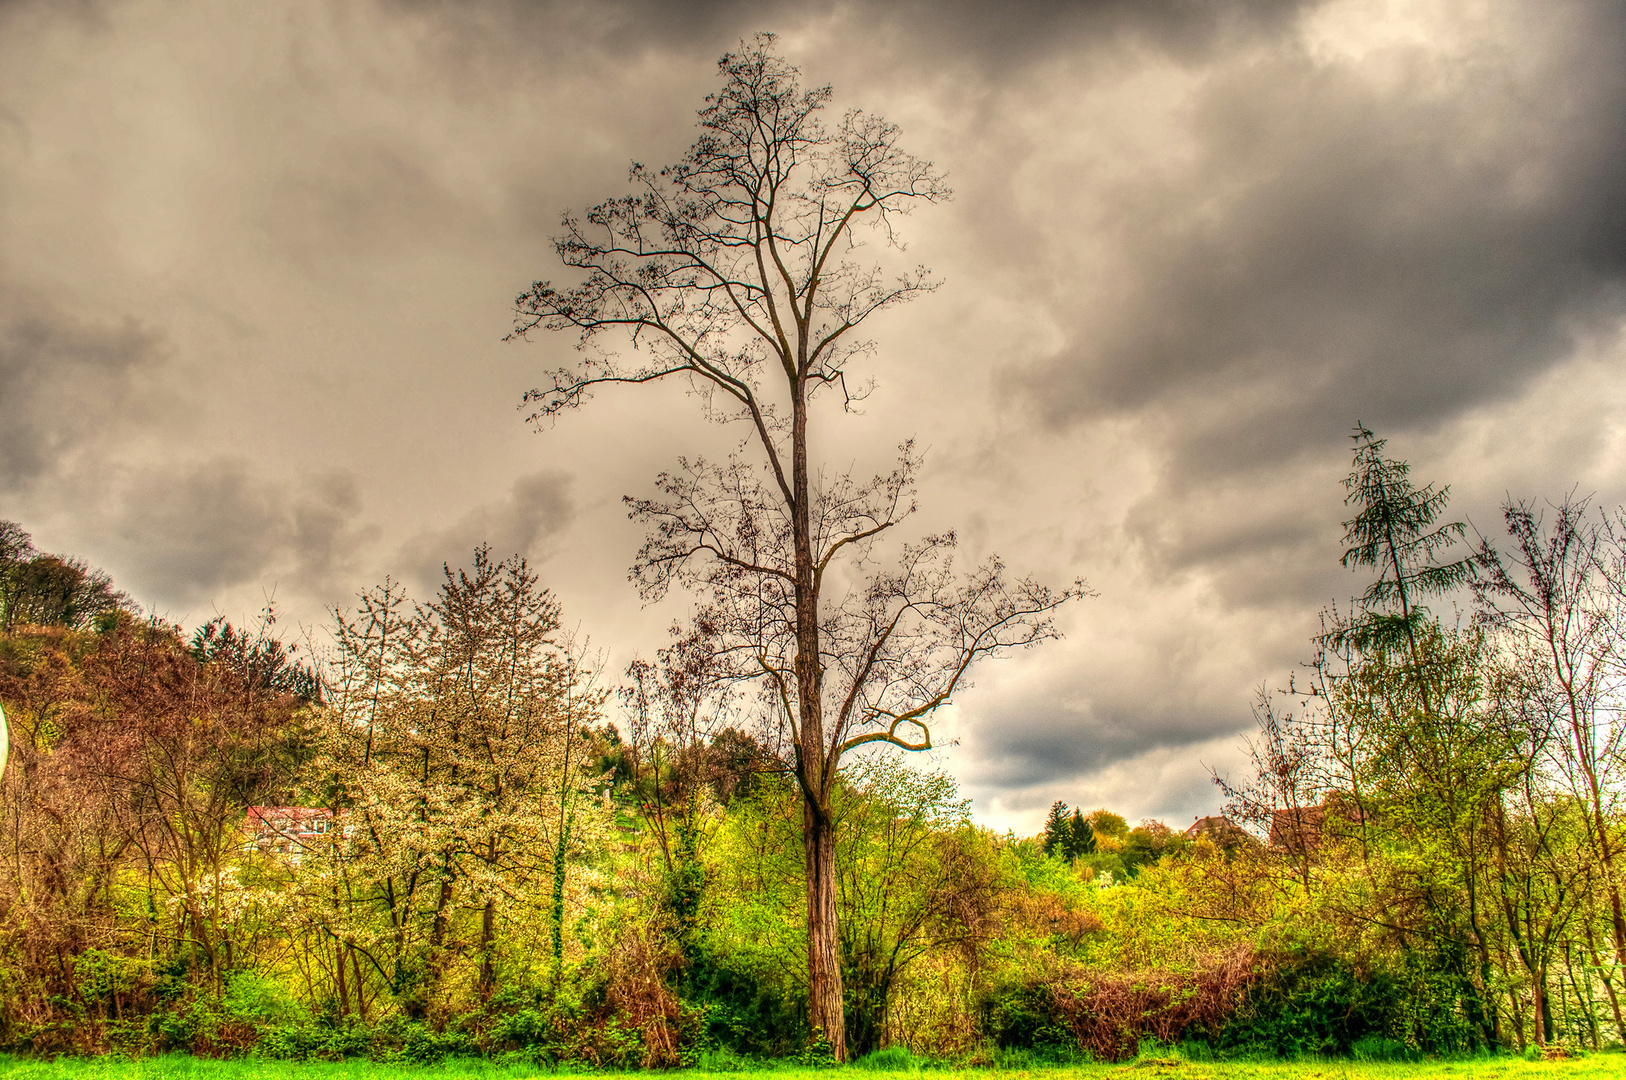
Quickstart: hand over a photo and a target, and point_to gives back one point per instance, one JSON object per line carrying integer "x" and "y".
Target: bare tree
{"x": 1290, "y": 777}
{"x": 733, "y": 271}
{"x": 1556, "y": 593}
{"x": 50, "y": 590}
{"x": 675, "y": 707}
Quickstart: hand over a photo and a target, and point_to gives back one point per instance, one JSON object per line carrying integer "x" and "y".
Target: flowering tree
{"x": 453, "y": 741}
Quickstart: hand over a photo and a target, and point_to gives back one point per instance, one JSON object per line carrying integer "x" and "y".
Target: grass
{"x": 1594, "y": 1067}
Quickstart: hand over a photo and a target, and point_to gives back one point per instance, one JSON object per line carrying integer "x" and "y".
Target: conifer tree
{"x": 1394, "y": 533}
{"x": 1055, "y": 826}
{"x": 1068, "y": 834}
{"x": 1080, "y": 836}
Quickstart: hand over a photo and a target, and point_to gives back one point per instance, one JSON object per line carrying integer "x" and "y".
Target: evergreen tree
{"x": 1055, "y": 827}
{"x": 1067, "y": 834}
{"x": 1080, "y": 836}
{"x": 1393, "y": 532}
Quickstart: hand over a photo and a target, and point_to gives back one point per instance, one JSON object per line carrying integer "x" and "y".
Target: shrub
{"x": 817, "y": 1054}
{"x": 311, "y": 1040}
{"x": 741, "y": 1010}
{"x": 1110, "y": 1015}
{"x": 1314, "y": 1002}
{"x": 1378, "y": 1048}
{"x": 888, "y": 1059}
{"x": 1022, "y": 1017}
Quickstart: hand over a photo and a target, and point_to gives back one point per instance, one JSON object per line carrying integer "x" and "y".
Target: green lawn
{"x": 187, "y": 1068}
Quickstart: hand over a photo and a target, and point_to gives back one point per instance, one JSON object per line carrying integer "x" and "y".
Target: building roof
{"x": 1220, "y": 829}
{"x": 1212, "y": 824}
{"x": 286, "y": 815}
{"x": 1297, "y": 828}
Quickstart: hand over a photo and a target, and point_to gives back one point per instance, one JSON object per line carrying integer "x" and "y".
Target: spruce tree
{"x": 1067, "y": 834}
{"x": 1055, "y": 827}
{"x": 1393, "y": 532}
{"x": 1080, "y": 837}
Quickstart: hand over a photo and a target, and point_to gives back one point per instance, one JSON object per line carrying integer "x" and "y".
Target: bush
{"x": 418, "y": 1043}
{"x": 1111, "y": 1015}
{"x": 310, "y": 1040}
{"x": 1023, "y": 1017}
{"x": 257, "y": 1000}
{"x": 741, "y": 1011}
{"x": 817, "y": 1054}
{"x": 1316, "y": 1003}
{"x": 1378, "y": 1048}
{"x": 888, "y": 1059}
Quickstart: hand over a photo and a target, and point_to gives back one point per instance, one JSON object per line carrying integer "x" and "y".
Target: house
{"x": 1224, "y": 832}
{"x": 288, "y": 831}
{"x": 1300, "y": 829}
{"x": 1297, "y": 828}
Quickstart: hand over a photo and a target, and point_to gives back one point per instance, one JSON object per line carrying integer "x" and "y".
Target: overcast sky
{"x": 256, "y": 263}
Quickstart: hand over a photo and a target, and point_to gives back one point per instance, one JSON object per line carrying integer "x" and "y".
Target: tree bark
{"x": 825, "y": 990}
{"x": 488, "y": 951}
{"x": 355, "y": 968}
{"x": 824, "y": 986}
{"x": 1608, "y": 984}
{"x": 438, "y": 933}
{"x": 340, "y": 975}
{"x": 1545, "y": 1037}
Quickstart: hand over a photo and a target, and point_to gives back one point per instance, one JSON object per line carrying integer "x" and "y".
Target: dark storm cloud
{"x": 1344, "y": 247}
{"x": 996, "y": 37}
{"x": 189, "y": 533}
{"x": 1041, "y": 748}
{"x": 1169, "y": 689}
{"x": 984, "y": 40}
{"x": 537, "y": 508}
{"x": 1343, "y": 242}
{"x": 1267, "y": 535}
{"x": 629, "y": 25}
{"x": 63, "y": 382}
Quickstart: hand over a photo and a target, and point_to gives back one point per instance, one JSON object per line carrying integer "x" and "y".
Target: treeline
{"x": 429, "y": 839}
{"x": 50, "y": 590}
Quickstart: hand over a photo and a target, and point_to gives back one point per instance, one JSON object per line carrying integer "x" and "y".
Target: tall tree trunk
{"x": 442, "y": 923}
{"x": 559, "y": 853}
{"x": 1586, "y": 758}
{"x": 1546, "y": 1020}
{"x": 339, "y": 958}
{"x": 1604, "y": 977}
{"x": 438, "y": 933}
{"x": 1583, "y": 994}
{"x": 488, "y": 951}
{"x": 1483, "y": 1010}
{"x": 340, "y": 974}
{"x": 825, "y": 990}
{"x": 816, "y": 767}
{"x": 355, "y": 968}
